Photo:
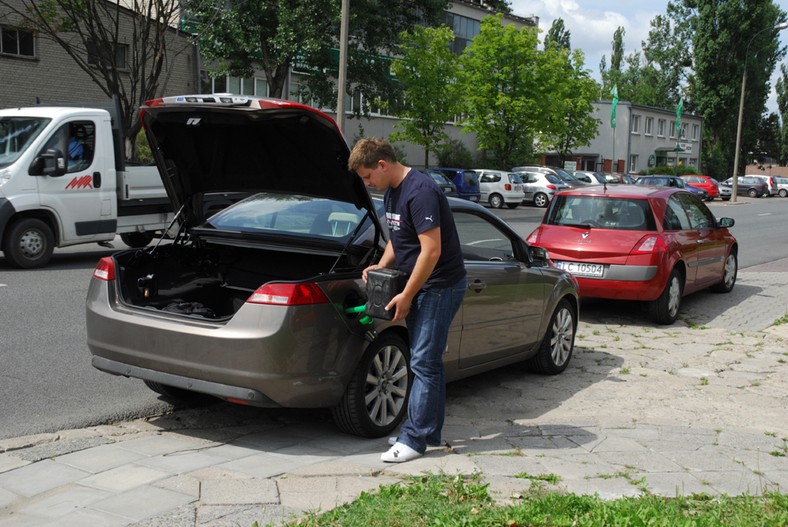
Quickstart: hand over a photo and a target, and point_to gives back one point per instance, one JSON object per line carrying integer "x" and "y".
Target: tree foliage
{"x": 768, "y": 146}
{"x": 782, "y": 106}
{"x": 427, "y": 70}
{"x": 611, "y": 77}
{"x": 558, "y": 35}
{"x": 242, "y": 36}
{"x": 94, "y": 34}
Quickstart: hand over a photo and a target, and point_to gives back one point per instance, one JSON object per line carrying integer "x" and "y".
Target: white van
{"x": 499, "y": 187}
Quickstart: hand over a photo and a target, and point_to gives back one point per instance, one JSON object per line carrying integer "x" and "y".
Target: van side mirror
{"x": 50, "y": 163}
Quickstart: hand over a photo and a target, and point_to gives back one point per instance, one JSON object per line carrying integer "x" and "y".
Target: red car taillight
{"x": 507, "y": 186}
{"x": 533, "y": 238}
{"x": 105, "y": 270}
{"x": 551, "y": 187}
{"x": 288, "y": 295}
{"x": 649, "y": 244}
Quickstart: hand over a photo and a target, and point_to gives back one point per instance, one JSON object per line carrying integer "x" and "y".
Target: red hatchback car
{"x": 711, "y": 186}
{"x": 633, "y": 242}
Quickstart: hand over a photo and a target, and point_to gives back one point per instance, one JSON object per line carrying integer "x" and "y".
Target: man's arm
{"x": 387, "y": 260}
{"x": 430, "y": 241}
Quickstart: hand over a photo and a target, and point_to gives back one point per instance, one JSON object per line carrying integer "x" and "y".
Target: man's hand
{"x": 401, "y": 305}
{"x": 370, "y": 268}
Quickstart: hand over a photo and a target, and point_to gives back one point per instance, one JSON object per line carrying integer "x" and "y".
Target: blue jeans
{"x": 428, "y": 325}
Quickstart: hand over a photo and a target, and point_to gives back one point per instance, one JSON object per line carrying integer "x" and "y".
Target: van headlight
{"x": 5, "y": 176}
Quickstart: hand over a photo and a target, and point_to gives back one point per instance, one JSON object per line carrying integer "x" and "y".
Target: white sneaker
{"x": 399, "y": 453}
{"x": 393, "y": 439}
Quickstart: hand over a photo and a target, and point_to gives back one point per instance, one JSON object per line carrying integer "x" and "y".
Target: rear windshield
{"x": 515, "y": 179}
{"x": 602, "y": 212}
{"x": 470, "y": 178}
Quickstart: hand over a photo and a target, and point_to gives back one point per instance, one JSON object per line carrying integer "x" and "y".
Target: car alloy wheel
{"x": 783, "y": 193}
{"x": 728, "y": 275}
{"x": 541, "y": 200}
{"x": 496, "y": 201}
{"x": 752, "y": 193}
{"x": 376, "y": 398}
{"x": 665, "y": 309}
{"x": 559, "y": 340}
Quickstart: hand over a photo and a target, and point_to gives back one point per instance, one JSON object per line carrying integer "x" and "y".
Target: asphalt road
{"x": 46, "y": 380}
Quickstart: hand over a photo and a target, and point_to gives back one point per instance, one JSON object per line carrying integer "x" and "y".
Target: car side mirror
{"x": 726, "y": 223}
{"x": 50, "y": 163}
{"x": 538, "y": 255}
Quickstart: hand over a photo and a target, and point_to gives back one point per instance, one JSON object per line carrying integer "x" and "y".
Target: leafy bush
{"x": 455, "y": 154}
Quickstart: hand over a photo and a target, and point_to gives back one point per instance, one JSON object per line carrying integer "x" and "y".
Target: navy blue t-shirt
{"x": 415, "y": 206}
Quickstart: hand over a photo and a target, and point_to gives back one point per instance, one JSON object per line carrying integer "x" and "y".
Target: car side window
{"x": 675, "y": 217}
{"x": 480, "y": 240}
{"x": 700, "y": 217}
{"x": 77, "y": 142}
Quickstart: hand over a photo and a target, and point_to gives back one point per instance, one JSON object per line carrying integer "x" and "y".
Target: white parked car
{"x": 539, "y": 188}
{"x": 499, "y": 187}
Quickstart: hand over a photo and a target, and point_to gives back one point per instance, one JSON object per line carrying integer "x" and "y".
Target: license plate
{"x": 582, "y": 269}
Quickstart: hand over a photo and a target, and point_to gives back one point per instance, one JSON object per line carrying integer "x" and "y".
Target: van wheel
{"x": 136, "y": 239}
{"x": 541, "y": 200}
{"x": 559, "y": 340}
{"x": 28, "y": 243}
{"x": 665, "y": 309}
{"x": 728, "y": 275}
{"x": 376, "y": 398}
{"x": 496, "y": 201}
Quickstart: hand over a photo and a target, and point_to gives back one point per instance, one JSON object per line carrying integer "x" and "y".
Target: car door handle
{"x": 477, "y": 285}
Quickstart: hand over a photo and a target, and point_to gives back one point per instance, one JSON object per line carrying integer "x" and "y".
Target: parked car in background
{"x": 466, "y": 181}
{"x": 499, "y": 188}
{"x": 710, "y": 185}
{"x": 634, "y": 242}
{"x": 752, "y": 186}
{"x": 565, "y": 177}
{"x": 782, "y": 186}
{"x": 725, "y": 192}
{"x": 589, "y": 178}
{"x": 256, "y": 304}
{"x": 539, "y": 187}
{"x": 624, "y": 179}
{"x": 671, "y": 181}
{"x": 771, "y": 184}
{"x": 449, "y": 188}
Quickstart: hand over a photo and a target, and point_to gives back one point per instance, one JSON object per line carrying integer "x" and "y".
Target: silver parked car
{"x": 539, "y": 187}
{"x": 782, "y": 186}
{"x": 499, "y": 188}
{"x": 256, "y": 300}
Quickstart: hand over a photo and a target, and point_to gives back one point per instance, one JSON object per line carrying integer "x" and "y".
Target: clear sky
{"x": 592, "y": 23}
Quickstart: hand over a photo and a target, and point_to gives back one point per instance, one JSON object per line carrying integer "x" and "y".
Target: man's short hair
{"x": 367, "y": 152}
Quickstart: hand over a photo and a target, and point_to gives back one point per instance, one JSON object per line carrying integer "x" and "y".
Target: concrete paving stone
{"x": 619, "y": 444}
{"x": 180, "y": 462}
{"x": 62, "y": 501}
{"x": 740, "y": 439}
{"x": 19, "y": 520}
{"x": 608, "y": 488}
{"x": 39, "y": 477}
{"x": 11, "y": 462}
{"x": 778, "y": 480}
{"x": 340, "y": 445}
{"x": 323, "y": 493}
{"x": 433, "y": 463}
{"x": 182, "y": 484}
{"x": 672, "y": 484}
{"x": 708, "y": 459}
{"x": 99, "y": 459}
{"x": 87, "y": 518}
{"x": 238, "y": 491}
{"x": 734, "y": 483}
{"x": 336, "y": 467}
{"x": 123, "y": 478}
{"x": 510, "y": 466}
{"x": 183, "y": 516}
{"x": 231, "y": 451}
{"x": 264, "y": 465}
{"x": 6, "y": 497}
{"x": 576, "y": 466}
{"x": 244, "y": 516}
{"x": 507, "y": 490}
{"x": 268, "y": 441}
{"x": 159, "y": 444}
{"x": 641, "y": 461}
{"x": 59, "y": 448}
{"x": 142, "y": 502}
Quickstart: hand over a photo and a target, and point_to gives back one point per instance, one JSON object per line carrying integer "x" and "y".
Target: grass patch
{"x": 552, "y": 479}
{"x": 782, "y": 320}
{"x": 457, "y": 501}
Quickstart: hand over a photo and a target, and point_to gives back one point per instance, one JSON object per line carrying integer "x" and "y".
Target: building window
{"x": 695, "y": 132}
{"x": 672, "y": 129}
{"x": 649, "y": 126}
{"x": 635, "y": 124}
{"x": 684, "y": 130}
{"x": 693, "y": 162}
{"x": 17, "y": 42}
{"x": 256, "y": 86}
{"x": 633, "y": 163}
{"x": 101, "y": 55}
{"x": 464, "y": 30}
{"x": 661, "y": 128}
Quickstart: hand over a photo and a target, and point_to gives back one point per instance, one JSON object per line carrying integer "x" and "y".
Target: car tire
{"x": 541, "y": 200}
{"x": 136, "y": 239}
{"x": 728, "y": 275}
{"x": 559, "y": 340}
{"x": 496, "y": 201}
{"x": 28, "y": 243}
{"x": 376, "y": 398}
{"x": 512, "y": 205}
{"x": 753, "y": 193}
{"x": 783, "y": 193}
{"x": 665, "y": 309}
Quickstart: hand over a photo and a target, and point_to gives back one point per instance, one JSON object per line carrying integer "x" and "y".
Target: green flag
{"x": 679, "y": 109}
{"x": 614, "y": 93}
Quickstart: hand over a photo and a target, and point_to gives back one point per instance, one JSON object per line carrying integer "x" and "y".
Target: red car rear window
{"x": 602, "y": 212}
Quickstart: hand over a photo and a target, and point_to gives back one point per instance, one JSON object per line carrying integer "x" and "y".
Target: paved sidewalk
{"x": 699, "y": 406}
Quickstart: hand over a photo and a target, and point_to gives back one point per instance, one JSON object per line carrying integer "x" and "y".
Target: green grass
{"x": 442, "y": 501}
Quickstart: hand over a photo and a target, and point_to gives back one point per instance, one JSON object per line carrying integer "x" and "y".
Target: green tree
{"x": 725, "y": 34}
{"x": 427, "y": 70}
{"x": 768, "y": 139}
{"x": 782, "y": 107}
{"x": 611, "y": 77}
{"x": 570, "y": 123}
{"x": 274, "y": 36}
{"x": 558, "y": 35}
{"x": 95, "y": 33}
{"x": 507, "y": 90}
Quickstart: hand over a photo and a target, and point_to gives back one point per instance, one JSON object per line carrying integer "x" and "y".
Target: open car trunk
{"x": 213, "y": 282}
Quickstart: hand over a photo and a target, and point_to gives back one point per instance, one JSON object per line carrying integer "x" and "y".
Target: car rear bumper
{"x": 624, "y": 282}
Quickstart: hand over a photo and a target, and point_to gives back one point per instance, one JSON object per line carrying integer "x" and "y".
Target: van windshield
{"x": 16, "y": 134}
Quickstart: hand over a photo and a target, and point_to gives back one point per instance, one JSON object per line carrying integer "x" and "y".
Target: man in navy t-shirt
{"x": 423, "y": 243}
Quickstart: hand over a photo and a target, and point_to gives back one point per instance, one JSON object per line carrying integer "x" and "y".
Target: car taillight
{"x": 507, "y": 186}
{"x": 533, "y": 238}
{"x": 649, "y": 244}
{"x": 282, "y": 294}
{"x": 551, "y": 187}
{"x": 105, "y": 269}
